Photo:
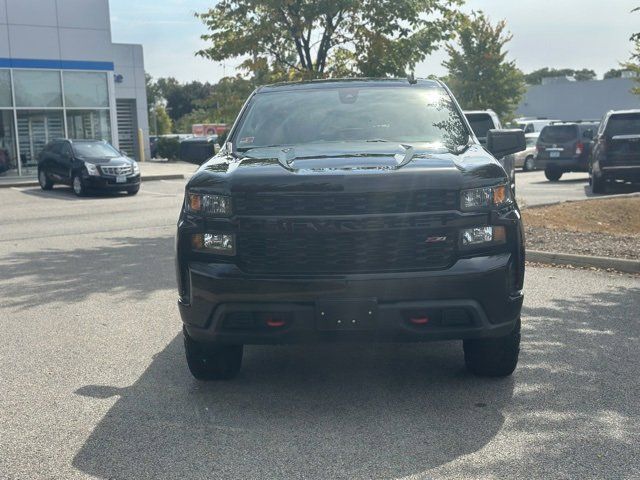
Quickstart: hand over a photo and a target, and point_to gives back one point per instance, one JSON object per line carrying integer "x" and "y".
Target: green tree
{"x": 303, "y": 37}
{"x": 153, "y": 91}
{"x": 633, "y": 65}
{"x": 182, "y": 98}
{"x": 479, "y": 75}
{"x": 161, "y": 123}
{"x": 584, "y": 74}
{"x": 535, "y": 77}
{"x": 613, "y": 73}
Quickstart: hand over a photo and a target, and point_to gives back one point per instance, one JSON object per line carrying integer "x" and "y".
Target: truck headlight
{"x": 209, "y": 205}
{"x": 136, "y": 168}
{"x": 482, "y": 236}
{"x": 485, "y": 197}
{"x": 216, "y": 243}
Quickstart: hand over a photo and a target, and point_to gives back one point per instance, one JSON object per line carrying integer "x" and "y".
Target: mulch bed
{"x": 582, "y": 243}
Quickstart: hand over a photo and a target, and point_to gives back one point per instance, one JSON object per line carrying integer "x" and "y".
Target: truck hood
{"x": 380, "y": 166}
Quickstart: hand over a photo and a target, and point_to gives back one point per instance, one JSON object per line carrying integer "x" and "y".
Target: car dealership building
{"x": 61, "y": 76}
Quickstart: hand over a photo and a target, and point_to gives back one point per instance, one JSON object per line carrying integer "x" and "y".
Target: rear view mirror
{"x": 505, "y": 142}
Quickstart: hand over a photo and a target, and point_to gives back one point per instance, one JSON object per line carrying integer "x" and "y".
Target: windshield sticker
{"x": 247, "y": 140}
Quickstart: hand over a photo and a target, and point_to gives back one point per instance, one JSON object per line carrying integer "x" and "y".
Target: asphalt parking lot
{"x": 93, "y": 383}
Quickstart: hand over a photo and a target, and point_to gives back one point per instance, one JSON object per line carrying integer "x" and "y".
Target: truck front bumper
{"x": 474, "y": 298}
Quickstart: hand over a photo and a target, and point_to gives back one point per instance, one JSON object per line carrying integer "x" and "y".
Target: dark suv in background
{"x": 565, "y": 147}
{"x": 616, "y": 152}
{"x": 87, "y": 165}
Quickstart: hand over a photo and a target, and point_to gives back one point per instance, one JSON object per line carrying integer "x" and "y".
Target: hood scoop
{"x": 293, "y": 160}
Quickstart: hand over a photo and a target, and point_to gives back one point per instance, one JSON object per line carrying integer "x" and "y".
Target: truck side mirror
{"x": 588, "y": 134}
{"x": 505, "y": 142}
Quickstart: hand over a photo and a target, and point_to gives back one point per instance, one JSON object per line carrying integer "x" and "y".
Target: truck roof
{"x": 348, "y": 82}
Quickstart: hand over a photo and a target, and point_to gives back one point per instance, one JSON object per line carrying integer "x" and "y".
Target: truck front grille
{"x": 346, "y": 252}
{"x": 264, "y": 204}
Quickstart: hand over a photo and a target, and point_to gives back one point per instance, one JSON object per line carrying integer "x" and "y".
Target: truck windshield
{"x": 402, "y": 114}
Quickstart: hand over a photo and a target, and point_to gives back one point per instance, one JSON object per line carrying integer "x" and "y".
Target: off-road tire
{"x": 493, "y": 357}
{"x": 210, "y": 361}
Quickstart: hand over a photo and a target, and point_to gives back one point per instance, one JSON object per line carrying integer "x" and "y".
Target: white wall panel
{"x": 4, "y": 41}
{"x": 123, "y": 55}
{"x": 80, "y": 44}
{"x": 34, "y": 42}
{"x": 84, "y": 14}
{"x": 139, "y": 74}
{"x": 128, "y": 77}
{"x": 138, "y": 56}
{"x": 32, "y": 12}
{"x": 3, "y": 11}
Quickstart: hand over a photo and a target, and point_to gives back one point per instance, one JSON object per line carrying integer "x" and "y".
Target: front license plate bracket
{"x": 347, "y": 314}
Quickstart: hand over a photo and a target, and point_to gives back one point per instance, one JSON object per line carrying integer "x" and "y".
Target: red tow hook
{"x": 419, "y": 320}
{"x": 275, "y": 323}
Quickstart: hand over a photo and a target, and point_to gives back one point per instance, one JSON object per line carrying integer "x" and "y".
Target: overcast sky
{"x": 546, "y": 33}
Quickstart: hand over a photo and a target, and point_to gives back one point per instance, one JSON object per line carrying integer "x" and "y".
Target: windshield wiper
{"x": 372, "y": 140}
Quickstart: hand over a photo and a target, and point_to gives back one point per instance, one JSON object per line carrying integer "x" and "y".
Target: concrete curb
{"x": 146, "y": 178}
{"x": 619, "y": 264}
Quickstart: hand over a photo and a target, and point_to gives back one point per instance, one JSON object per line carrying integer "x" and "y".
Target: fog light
{"x": 482, "y": 236}
{"x": 218, "y": 243}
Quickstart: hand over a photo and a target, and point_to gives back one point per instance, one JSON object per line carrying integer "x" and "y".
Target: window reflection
{"x": 5, "y": 88}
{"x": 35, "y": 130}
{"x": 85, "y": 89}
{"x": 8, "y": 164}
{"x": 89, "y": 124}
{"x": 37, "y": 88}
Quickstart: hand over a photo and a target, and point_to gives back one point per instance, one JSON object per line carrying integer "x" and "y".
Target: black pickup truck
{"x": 352, "y": 210}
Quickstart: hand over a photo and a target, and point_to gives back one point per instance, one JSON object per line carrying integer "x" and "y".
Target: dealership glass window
{"x": 89, "y": 124}
{"x": 5, "y": 88}
{"x": 35, "y": 130}
{"x": 8, "y": 163}
{"x": 85, "y": 89}
{"x": 37, "y": 88}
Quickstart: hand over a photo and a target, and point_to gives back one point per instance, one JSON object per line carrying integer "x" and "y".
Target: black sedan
{"x": 87, "y": 165}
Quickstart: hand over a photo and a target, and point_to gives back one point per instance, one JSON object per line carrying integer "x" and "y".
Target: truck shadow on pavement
{"x": 379, "y": 411}
{"x": 131, "y": 266}
{"x": 336, "y": 411}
